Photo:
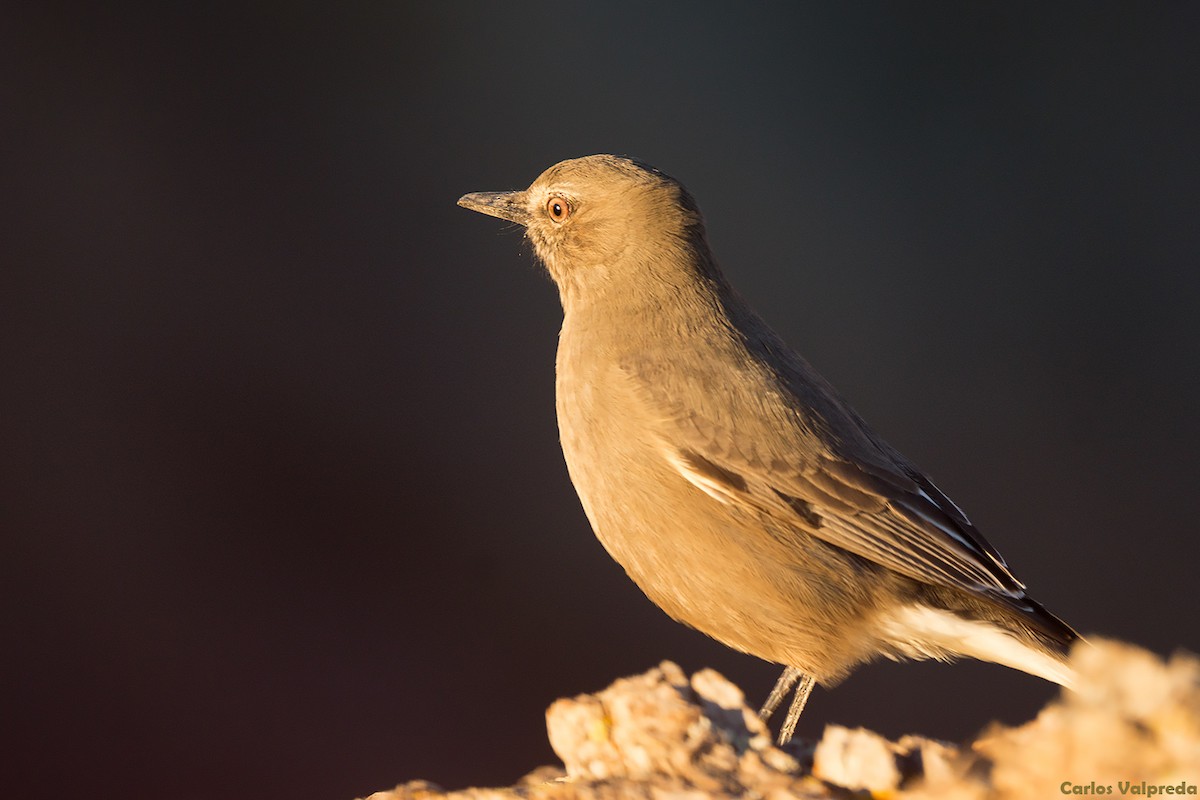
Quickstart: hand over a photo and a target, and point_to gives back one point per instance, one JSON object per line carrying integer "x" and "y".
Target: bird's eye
{"x": 558, "y": 209}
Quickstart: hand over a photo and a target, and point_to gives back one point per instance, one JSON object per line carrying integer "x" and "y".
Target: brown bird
{"x": 731, "y": 481}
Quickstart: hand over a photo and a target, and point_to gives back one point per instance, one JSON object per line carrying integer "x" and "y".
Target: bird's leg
{"x": 798, "y": 702}
{"x": 790, "y": 677}
{"x": 782, "y": 686}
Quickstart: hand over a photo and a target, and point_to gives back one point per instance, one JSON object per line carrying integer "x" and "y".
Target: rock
{"x": 663, "y": 736}
{"x": 1133, "y": 718}
{"x": 857, "y": 759}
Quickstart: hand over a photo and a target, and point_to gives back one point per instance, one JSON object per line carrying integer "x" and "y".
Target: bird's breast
{"x": 665, "y": 532}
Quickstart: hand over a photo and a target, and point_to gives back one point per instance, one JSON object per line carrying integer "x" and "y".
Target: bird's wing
{"x": 850, "y": 491}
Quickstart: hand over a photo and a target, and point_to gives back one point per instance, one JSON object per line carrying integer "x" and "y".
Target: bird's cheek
{"x": 547, "y": 253}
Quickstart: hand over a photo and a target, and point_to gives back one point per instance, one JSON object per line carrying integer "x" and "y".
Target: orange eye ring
{"x": 558, "y": 209}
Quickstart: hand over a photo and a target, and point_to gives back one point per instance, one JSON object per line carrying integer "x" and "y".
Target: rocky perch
{"x": 1132, "y": 728}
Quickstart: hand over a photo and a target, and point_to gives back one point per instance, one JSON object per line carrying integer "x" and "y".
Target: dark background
{"x": 283, "y": 508}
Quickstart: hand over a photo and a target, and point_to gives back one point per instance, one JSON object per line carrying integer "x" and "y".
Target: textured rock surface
{"x": 663, "y": 736}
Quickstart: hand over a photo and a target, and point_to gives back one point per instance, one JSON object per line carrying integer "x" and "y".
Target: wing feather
{"x": 864, "y": 499}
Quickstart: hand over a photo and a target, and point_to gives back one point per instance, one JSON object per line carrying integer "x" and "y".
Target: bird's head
{"x": 604, "y": 221}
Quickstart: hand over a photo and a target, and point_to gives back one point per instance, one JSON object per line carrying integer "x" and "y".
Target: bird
{"x": 735, "y": 486}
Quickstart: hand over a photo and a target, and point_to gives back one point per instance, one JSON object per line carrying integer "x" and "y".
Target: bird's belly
{"x": 718, "y": 569}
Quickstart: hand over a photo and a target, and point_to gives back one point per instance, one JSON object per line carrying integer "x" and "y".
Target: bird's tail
{"x": 1016, "y": 632}
{"x": 1044, "y": 641}
{"x": 1052, "y": 635}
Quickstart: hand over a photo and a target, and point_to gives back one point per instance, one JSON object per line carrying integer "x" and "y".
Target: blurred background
{"x": 282, "y": 507}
